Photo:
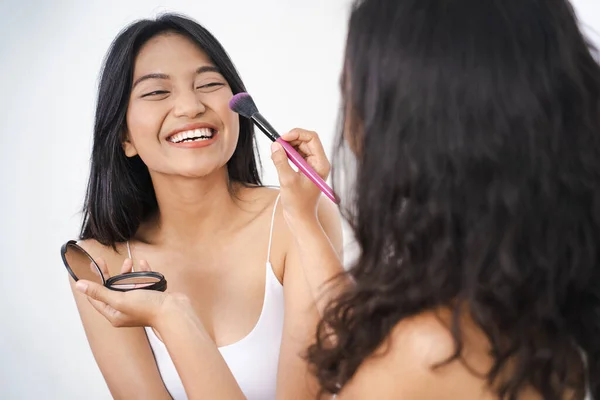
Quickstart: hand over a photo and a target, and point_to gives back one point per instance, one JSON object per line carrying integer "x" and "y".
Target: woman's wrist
{"x": 174, "y": 309}
{"x": 303, "y": 224}
{"x": 310, "y": 237}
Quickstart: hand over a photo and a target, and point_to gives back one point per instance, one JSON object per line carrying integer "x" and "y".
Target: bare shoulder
{"x": 331, "y": 221}
{"x": 329, "y": 218}
{"x": 256, "y": 200}
{"x": 410, "y": 364}
{"x": 328, "y": 208}
{"x": 261, "y": 199}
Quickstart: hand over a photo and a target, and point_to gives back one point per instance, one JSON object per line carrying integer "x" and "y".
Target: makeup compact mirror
{"x": 81, "y": 265}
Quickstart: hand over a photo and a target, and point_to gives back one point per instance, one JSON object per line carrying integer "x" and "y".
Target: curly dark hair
{"x": 476, "y": 128}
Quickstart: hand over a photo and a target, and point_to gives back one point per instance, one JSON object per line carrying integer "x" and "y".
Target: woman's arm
{"x": 124, "y": 356}
{"x": 199, "y": 363}
{"x": 319, "y": 247}
{"x": 314, "y": 224}
{"x": 202, "y": 370}
{"x": 113, "y": 322}
{"x": 294, "y": 379}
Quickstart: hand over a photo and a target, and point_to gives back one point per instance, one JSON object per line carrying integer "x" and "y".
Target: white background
{"x": 289, "y": 53}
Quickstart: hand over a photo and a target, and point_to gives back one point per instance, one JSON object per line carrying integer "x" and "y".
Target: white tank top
{"x": 253, "y": 359}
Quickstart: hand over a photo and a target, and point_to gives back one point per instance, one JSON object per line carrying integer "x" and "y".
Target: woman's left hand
{"x": 127, "y": 309}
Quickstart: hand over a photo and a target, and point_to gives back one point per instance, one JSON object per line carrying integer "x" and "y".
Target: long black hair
{"x": 477, "y": 131}
{"x": 120, "y": 194}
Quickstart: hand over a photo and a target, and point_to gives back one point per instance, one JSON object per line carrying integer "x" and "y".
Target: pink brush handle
{"x": 307, "y": 170}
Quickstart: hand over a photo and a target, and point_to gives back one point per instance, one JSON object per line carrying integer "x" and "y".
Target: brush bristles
{"x": 243, "y": 104}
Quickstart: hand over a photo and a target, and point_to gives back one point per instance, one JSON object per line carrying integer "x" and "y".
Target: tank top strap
{"x": 271, "y": 230}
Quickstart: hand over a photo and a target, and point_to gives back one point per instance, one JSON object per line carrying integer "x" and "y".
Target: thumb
{"x": 99, "y": 299}
{"x": 93, "y": 290}
{"x": 280, "y": 159}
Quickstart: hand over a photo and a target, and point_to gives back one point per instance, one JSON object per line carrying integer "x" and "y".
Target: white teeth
{"x": 192, "y": 135}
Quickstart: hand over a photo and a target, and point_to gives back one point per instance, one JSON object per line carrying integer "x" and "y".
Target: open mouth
{"x": 195, "y": 135}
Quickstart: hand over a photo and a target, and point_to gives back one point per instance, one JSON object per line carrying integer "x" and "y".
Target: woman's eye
{"x": 155, "y": 93}
{"x": 210, "y": 85}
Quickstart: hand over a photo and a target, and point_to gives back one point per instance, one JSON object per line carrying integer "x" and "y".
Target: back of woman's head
{"x": 476, "y": 127}
{"x": 120, "y": 194}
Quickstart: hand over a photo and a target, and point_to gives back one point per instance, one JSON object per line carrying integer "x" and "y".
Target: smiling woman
{"x": 174, "y": 185}
{"x": 164, "y": 106}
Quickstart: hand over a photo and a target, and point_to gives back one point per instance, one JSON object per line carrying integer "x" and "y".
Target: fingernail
{"x": 275, "y": 147}
{"x": 81, "y": 286}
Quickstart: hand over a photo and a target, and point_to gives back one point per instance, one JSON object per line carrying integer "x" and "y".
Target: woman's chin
{"x": 205, "y": 172}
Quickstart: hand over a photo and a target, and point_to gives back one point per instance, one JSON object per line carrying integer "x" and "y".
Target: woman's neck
{"x": 191, "y": 209}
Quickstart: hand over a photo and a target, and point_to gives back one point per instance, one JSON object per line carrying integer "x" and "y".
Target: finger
{"x": 99, "y": 292}
{"x": 296, "y": 134}
{"x": 144, "y": 266}
{"x": 307, "y": 141}
{"x": 107, "y": 311}
{"x": 103, "y": 267}
{"x": 127, "y": 266}
{"x": 285, "y": 172}
{"x": 299, "y": 135}
{"x": 301, "y": 148}
{"x": 320, "y": 164}
{"x": 315, "y": 158}
{"x": 294, "y": 138}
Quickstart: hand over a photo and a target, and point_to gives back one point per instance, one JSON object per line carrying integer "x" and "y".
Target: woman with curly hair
{"x": 476, "y": 130}
{"x": 475, "y": 127}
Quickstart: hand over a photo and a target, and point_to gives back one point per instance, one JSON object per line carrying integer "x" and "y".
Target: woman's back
{"x": 402, "y": 365}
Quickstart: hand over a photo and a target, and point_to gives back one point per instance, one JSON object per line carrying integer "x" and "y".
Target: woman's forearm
{"x": 199, "y": 363}
{"x": 320, "y": 261}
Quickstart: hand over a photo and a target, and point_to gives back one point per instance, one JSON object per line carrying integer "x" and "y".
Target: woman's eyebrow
{"x": 201, "y": 70}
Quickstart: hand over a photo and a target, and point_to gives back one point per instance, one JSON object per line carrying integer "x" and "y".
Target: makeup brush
{"x": 243, "y": 104}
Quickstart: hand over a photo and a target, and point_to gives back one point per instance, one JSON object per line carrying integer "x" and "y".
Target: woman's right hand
{"x": 299, "y": 195}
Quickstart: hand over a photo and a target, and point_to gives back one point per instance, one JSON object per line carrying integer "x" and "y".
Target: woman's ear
{"x": 128, "y": 146}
